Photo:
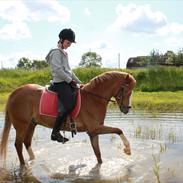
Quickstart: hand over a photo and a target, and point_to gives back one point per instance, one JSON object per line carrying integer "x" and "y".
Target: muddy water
{"x": 156, "y": 142}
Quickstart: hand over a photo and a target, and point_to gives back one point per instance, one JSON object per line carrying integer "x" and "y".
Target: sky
{"x": 114, "y": 29}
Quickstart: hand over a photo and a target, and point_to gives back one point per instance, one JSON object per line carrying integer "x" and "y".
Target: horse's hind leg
{"x": 20, "y": 134}
{"x": 28, "y": 139}
{"x": 95, "y": 145}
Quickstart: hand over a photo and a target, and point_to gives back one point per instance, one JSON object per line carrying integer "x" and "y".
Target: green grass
{"x": 147, "y": 101}
{"x": 3, "y": 99}
{"x": 12, "y": 78}
{"x": 151, "y": 79}
{"x": 158, "y": 88}
{"x": 158, "y": 101}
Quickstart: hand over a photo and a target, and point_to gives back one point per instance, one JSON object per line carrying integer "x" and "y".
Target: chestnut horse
{"x": 22, "y": 110}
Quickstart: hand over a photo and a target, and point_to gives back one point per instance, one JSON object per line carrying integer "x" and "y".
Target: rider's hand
{"x": 73, "y": 83}
{"x": 81, "y": 85}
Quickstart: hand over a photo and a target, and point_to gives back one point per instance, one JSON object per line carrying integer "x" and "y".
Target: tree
{"x": 24, "y": 63}
{"x": 39, "y": 64}
{"x": 170, "y": 58}
{"x": 179, "y": 58}
{"x": 154, "y": 57}
{"x": 91, "y": 59}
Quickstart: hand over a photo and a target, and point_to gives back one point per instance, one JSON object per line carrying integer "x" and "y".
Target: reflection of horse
{"x": 22, "y": 110}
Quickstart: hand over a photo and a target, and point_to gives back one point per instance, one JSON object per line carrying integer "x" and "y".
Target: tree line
{"x": 92, "y": 59}
{"x": 88, "y": 59}
{"x": 156, "y": 58}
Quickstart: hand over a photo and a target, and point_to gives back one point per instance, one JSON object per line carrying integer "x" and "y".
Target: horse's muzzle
{"x": 125, "y": 109}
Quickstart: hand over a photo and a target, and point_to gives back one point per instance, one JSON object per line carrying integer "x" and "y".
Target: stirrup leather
{"x": 73, "y": 127}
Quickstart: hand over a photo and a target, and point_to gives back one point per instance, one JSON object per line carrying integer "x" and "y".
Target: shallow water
{"x": 156, "y": 142}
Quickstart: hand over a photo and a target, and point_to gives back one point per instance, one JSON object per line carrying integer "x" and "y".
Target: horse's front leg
{"x": 106, "y": 130}
{"x": 95, "y": 145}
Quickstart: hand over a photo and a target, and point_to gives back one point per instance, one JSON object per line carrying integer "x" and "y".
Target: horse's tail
{"x": 4, "y": 136}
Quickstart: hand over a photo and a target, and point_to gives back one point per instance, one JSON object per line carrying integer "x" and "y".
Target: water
{"x": 156, "y": 142}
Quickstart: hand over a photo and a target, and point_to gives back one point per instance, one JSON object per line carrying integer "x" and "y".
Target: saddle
{"x": 51, "y": 106}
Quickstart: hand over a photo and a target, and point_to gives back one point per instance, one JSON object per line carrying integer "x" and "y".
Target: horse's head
{"x": 124, "y": 93}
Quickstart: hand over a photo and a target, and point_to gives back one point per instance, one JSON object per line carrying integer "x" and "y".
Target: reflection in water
{"x": 156, "y": 141}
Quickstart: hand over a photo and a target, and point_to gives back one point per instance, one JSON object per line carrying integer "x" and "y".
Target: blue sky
{"x": 30, "y": 28}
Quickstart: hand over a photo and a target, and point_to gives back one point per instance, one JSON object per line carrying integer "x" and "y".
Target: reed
{"x": 156, "y": 168}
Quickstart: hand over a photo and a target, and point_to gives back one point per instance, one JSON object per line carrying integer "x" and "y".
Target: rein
{"x": 96, "y": 95}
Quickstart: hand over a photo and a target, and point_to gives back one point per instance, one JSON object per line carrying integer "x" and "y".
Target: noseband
{"x": 120, "y": 97}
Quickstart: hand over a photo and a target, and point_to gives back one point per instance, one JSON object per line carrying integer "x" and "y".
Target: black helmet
{"x": 67, "y": 34}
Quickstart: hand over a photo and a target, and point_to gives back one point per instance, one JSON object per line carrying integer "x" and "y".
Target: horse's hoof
{"x": 127, "y": 151}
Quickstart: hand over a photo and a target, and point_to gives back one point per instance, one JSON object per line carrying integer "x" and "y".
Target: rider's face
{"x": 66, "y": 44}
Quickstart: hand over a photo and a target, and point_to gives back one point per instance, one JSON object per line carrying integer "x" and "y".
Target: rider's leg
{"x": 65, "y": 95}
{"x": 55, "y": 135}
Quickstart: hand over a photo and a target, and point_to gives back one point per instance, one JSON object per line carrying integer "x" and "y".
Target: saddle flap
{"x": 49, "y": 104}
{"x": 77, "y": 106}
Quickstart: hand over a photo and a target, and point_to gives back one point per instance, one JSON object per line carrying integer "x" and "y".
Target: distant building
{"x": 137, "y": 62}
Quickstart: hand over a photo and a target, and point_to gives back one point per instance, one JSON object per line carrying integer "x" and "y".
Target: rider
{"x": 64, "y": 79}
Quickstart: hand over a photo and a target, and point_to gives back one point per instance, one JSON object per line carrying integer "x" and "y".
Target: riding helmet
{"x": 67, "y": 34}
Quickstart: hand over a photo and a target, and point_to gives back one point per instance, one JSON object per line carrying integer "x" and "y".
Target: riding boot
{"x": 56, "y": 130}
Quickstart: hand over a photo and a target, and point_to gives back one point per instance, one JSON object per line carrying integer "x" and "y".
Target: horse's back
{"x": 28, "y": 91}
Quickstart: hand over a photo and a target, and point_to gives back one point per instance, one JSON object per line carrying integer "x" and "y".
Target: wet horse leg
{"x": 106, "y": 130}
{"x": 95, "y": 145}
{"x": 28, "y": 139}
{"x": 20, "y": 134}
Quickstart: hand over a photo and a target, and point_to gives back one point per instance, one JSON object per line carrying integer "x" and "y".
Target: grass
{"x": 148, "y": 101}
{"x": 157, "y": 88}
{"x": 3, "y": 99}
{"x": 158, "y": 101}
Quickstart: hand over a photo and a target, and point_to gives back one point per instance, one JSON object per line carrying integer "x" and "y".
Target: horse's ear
{"x": 128, "y": 80}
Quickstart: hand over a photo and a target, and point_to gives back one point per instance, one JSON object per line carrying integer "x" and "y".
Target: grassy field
{"x": 3, "y": 99}
{"x": 157, "y": 89}
{"x": 148, "y": 101}
{"x": 158, "y": 101}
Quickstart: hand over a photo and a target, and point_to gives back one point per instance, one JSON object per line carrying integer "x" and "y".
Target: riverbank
{"x": 147, "y": 101}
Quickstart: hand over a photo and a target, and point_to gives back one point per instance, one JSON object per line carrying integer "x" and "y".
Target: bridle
{"x": 119, "y": 96}
{"x": 96, "y": 95}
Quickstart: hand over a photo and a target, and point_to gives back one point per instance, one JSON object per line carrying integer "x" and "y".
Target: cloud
{"x": 87, "y": 12}
{"x": 15, "y": 30}
{"x": 36, "y": 11}
{"x": 11, "y": 60}
{"x": 98, "y": 45}
{"x": 142, "y": 19}
{"x": 12, "y": 12}
{"x": 16, "y": 16}
{"x": 174, "y": 42}
{"x": 171, "y": 28}
{"x": 50, "y": 10}
{"x": 106, "y": 50}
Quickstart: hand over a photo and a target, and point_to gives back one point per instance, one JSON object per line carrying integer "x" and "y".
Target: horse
{"x": 22, "y": 111}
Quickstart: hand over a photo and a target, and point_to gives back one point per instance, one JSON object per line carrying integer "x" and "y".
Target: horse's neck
{"x": 100, "y": 102}
{"x": 105, "y": 89}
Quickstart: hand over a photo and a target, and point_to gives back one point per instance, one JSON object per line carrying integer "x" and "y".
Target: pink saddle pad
{"x": 49, "y": 104}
